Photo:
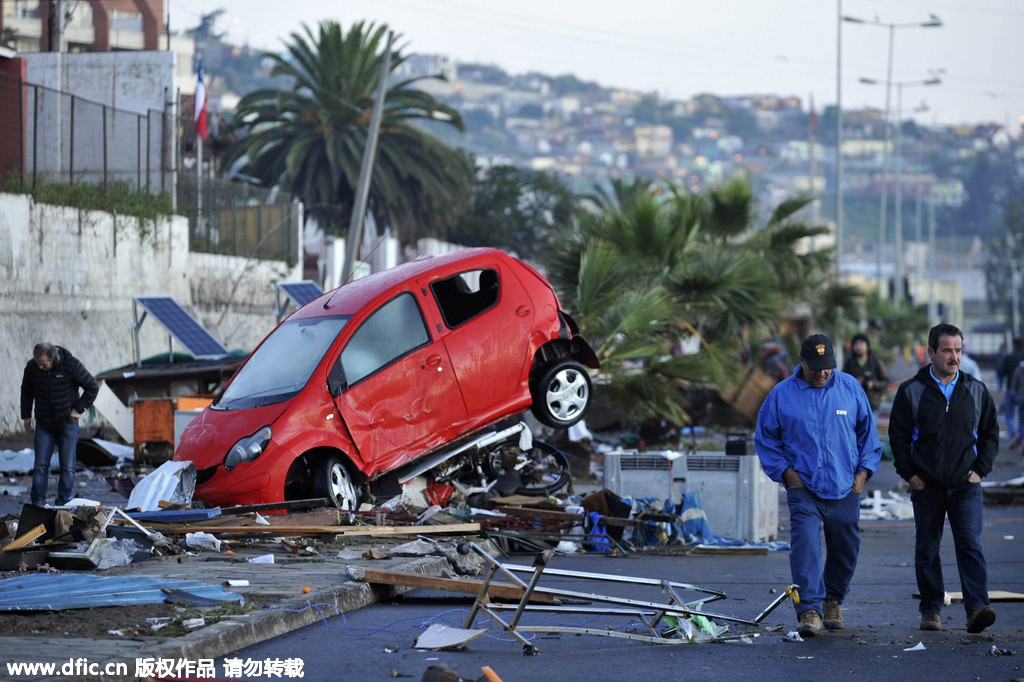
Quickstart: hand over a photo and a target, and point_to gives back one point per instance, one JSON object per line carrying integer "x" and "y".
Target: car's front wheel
{"x": 562, "y": 395}
{"x": 332, "y": 479}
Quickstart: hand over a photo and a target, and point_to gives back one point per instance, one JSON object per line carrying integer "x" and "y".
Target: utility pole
{"x": 355, "y": 225}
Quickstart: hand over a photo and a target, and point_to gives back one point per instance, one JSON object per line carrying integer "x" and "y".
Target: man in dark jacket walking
{"x": 868, "y": 369}
{"x": 945, "y": 436}
{"x": 62, "y": 389}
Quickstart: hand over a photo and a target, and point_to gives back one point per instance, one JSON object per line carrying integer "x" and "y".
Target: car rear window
{"x": 283, "y": 363}
{"x": 465, "y": 295}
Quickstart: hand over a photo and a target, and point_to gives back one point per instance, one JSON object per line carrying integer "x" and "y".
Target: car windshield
{"x": 282, "y": 365}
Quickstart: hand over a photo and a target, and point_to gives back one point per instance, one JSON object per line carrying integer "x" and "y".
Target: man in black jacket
{"x": 944, "y": 436}
{"x": 62, "y": 389}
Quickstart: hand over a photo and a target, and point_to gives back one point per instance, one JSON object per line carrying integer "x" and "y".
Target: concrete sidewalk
{"x": 279, "y": 584}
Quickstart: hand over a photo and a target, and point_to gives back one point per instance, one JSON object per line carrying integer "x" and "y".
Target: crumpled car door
{"x": 402, "y": 398}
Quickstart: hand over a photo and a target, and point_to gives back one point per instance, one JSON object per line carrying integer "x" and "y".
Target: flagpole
{"x": 199, "y": 183}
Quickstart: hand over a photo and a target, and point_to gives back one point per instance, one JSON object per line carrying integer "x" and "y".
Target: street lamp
{"x": 898, "y": 291}
{"x": 933, "y": 22}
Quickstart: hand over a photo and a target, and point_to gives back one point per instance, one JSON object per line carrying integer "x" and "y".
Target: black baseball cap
{"x": 816, "y": 352}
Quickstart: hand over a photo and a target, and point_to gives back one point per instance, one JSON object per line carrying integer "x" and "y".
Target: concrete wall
{"x": 69, "y": 276}
{"x": 125, "y": 92}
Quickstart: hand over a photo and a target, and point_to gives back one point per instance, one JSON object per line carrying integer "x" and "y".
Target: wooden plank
{"x": 26, "y": 538}
{"x": 375, "y": 531}
{"x": 993, "y": 596}
{"x": 549, "y": 514}
{"x": 505, "y": 592}
{"x": 716, "y": 550}
{"x": 311, "y": 503}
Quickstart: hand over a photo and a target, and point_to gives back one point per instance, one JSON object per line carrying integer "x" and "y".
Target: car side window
{"x": 465, "y": 295}
{"x": 392, "y": 331}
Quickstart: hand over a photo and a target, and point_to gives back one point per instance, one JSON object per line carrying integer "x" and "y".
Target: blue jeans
{"x": 65, "y": 441}
{"x": 963, "y": 506}
{"x": 808, "y": 514}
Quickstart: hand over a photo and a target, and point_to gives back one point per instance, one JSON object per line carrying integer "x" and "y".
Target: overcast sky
{"x": 679, "y": 48}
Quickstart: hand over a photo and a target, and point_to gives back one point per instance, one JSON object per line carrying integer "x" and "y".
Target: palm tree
{"x": 311, "y": 138}
{"x": 649, "y": 274}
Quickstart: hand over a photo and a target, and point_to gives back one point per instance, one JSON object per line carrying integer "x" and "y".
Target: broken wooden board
{"x": 993, "y": 596}
{"x": 504, "y": 592}
{"x": 301, "y": 531}
{"x": 723, "y": 550}
{"x": 25, "y": 538}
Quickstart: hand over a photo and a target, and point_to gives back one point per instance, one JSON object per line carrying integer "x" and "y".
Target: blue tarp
{"x": 691, "y": 529}
{"x": 58, "y": 591}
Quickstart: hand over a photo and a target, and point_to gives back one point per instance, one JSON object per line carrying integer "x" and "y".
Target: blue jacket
{"x": 826, "y": 434}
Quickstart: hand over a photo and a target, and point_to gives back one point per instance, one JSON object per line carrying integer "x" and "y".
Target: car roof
{"x": 351, "y": 297}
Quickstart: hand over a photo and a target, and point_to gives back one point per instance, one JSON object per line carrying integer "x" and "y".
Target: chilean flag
{"x": 200, "y": 108}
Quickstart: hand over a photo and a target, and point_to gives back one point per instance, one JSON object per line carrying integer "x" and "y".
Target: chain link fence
{"x": 56, "y": 137}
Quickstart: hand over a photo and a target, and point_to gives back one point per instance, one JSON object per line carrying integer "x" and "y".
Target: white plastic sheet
{"x": 171, "y": 482}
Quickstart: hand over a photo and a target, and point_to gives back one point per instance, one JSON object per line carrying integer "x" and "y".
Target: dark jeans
{"x": 840, "y": 519}
{"x": 963, "y": 506}
{"x": 65, "y": 441}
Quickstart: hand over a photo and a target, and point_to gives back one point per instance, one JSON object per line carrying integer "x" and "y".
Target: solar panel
{"x": 301, "y": 292}
{"x": 182, "y": 326}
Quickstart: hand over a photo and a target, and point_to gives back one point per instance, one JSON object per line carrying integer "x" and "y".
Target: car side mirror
{"x": 336, "y": 383}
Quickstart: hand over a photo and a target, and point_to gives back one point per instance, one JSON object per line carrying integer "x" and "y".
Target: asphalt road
{"x": 377, "y": 642}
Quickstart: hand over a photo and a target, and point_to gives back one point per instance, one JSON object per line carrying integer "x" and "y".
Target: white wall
{"x": 129, "y": 84}
{"x": 68, "y": 277}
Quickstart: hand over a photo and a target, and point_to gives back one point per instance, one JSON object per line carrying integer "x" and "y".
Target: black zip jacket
{"x": 56, "y": 392}
{"x": 941, "y": 443}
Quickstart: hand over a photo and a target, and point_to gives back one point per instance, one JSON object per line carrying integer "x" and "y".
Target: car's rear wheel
{"x": 562, "y": 395}
{"x": 333, "y": 480}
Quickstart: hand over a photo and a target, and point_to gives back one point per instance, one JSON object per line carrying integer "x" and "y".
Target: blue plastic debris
{"x": 59, "y": 591}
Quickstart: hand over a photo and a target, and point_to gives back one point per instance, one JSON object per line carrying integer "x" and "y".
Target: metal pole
{"x": 355, "y": 226}
{"x": 71, "y": 150}
{"x": 199, "y": 185}
{"x": 839, "y": 137}
{"x": 106, "y": 170}
{"x": 932, "y": 272}
{"x": 898, "y": 291}
{"x": 1014, "y": 286}
{"x": 885, "y": 165}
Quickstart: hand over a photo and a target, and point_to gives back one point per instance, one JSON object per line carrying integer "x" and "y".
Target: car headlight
{"x": 247, "y": 449}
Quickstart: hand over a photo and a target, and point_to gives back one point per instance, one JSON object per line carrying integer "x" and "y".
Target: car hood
{"x": 208, "y": 437}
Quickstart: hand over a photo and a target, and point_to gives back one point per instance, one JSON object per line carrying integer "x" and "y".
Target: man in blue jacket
{"x": 816, "y": 435}
{"x": 945, "y": 435}
{"x": 62, "y": 389}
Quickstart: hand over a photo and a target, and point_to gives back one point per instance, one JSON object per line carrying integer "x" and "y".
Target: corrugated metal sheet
{"x": 58, "y": 591}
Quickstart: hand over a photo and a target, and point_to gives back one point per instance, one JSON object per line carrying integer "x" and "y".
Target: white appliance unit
{"x": 738, "y": 499}
{"x": 657, "y": 474}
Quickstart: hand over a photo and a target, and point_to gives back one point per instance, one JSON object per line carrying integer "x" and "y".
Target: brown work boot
{"x": 833, "y": 615}
{"x": 980, "y": 618}
{"x": 810, "y": 624}
{"x": 931, "y": 622}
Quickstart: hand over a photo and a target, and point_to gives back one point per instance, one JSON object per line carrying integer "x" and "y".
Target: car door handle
{"x": 523, "y": 310}
{"x": 433, "y": 361}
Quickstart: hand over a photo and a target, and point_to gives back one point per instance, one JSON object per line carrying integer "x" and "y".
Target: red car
{"x": 377, "y": 373}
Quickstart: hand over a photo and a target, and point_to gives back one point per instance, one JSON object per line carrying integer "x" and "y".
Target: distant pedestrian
{"x": 816, "y": 435}
{"x": 62, "y": 390}
{"x": 1000, "y": 356}
{"x": 1017, "y": 386}
{"x": 868, "y": 369}
{"x": 945, "y": 436}
{"x": 1011, "y": 412}
{"x": 970, "y": 365}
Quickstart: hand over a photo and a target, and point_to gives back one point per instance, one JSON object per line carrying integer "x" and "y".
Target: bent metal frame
{"x": 651, "y": 614}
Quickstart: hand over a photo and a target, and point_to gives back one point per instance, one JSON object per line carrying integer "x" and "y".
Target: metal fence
{"x": 53, "y": 136}
{"x": 240, "y": 219}
{"x": 67, "y": 138}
